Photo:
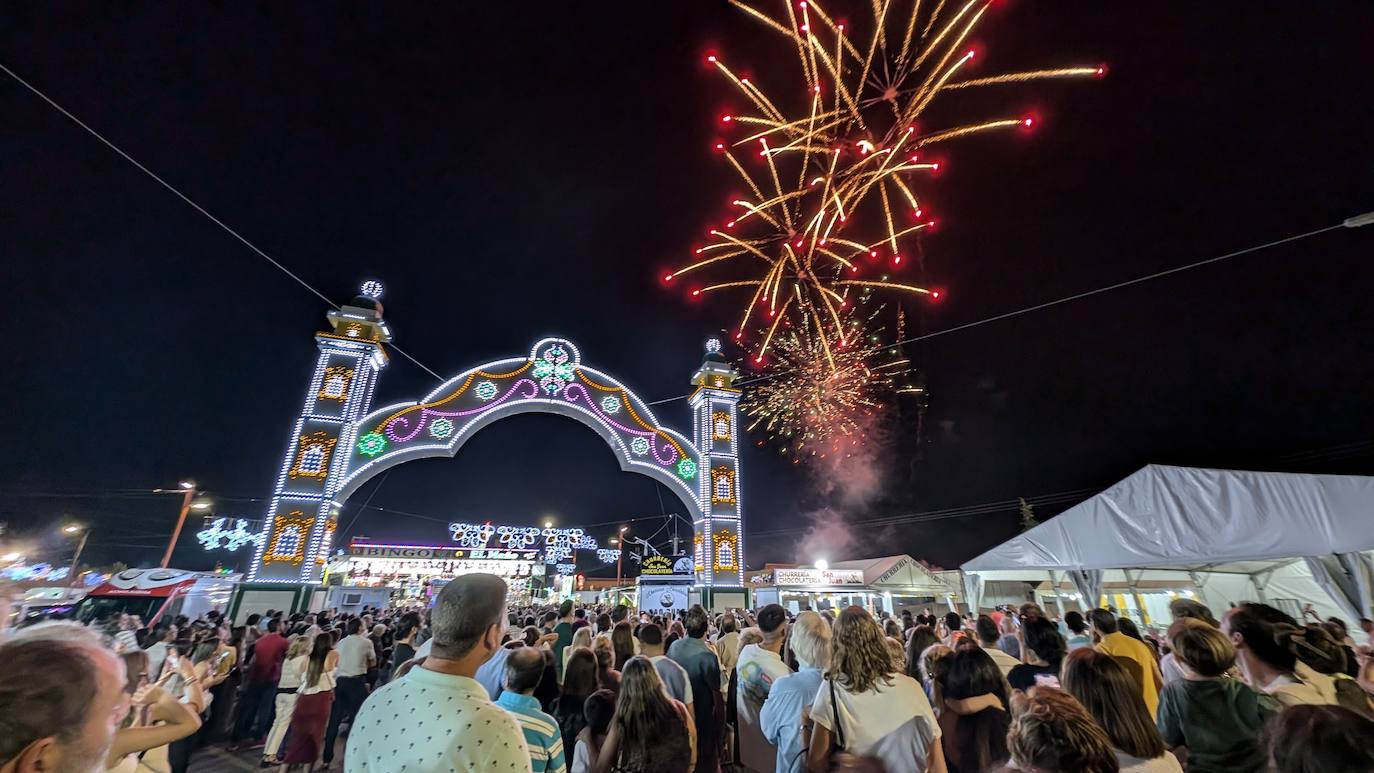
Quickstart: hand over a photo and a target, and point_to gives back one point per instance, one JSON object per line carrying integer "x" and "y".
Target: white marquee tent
{"x": 1233, "y": 535}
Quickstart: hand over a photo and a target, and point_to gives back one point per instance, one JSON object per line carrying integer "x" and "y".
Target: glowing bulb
{"x": 896, "y": 259}
{"x": 872, "y": 253}
{"x": 971, "y": 53}
{"x": 696, "y": 292}
{"x": 667, "y": 277}
{"x": 711, "y": 58}
{"x": 726, "y": 119}
{"x": 730, "y": 224}
{"x": 1028, "y": 122}
{"x": 935, "y": 295}
{"x": 1101, "y": 70}
{"x": 720, "y": 146}
{"x": 935, "y": 167}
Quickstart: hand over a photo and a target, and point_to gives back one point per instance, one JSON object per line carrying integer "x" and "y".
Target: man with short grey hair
{"x": 438, "y": 718}
{"x": 61, "y": 700}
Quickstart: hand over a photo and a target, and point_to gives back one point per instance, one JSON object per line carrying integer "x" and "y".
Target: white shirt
{"x": 292, "y": 671}
{"x": 428, "y": 722}
{"x": 157, "y": 655}
{"x": 1003, "y": 660}
{"x": 582, "y": 758}
{"x": 1164, "y": 763}
{"x": 354, "y": 653}
{"x": 757, "y": 668}
{"x": 324, "y": 684}
{"x": 891, "y": 722}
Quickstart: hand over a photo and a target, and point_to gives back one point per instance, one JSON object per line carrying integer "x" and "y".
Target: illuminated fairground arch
{"x": 339, "y": 442}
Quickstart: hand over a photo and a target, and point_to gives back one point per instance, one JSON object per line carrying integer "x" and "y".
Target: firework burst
{"x": 839, "y": 162}
{"x": 822, "y": 398}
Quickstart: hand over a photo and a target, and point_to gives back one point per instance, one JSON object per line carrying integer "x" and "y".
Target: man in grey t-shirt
{"x": 674, "y": 676}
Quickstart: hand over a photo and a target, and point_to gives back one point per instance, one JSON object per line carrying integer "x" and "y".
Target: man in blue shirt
{"x": 781, "y": 716}
{"x": 524, "y": 668}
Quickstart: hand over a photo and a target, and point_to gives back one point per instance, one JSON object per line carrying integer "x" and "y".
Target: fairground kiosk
{"x": 665, "y": 585}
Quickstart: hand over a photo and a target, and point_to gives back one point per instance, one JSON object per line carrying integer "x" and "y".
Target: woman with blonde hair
{"x": 791, "y": 696}
{"x": 582, "y": 637}
{"x": 867, "y": 707}
{"x": 932, "y": 663}
{"x": 293, "y": 666}
{"x": 651, "y": 732}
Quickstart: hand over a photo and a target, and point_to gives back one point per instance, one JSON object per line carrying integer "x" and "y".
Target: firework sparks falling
{"x": 838, "y": 162}
{"x": 824, "y": 398}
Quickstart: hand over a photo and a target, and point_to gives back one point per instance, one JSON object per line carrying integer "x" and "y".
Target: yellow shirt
{"x": 1123, "y": 647}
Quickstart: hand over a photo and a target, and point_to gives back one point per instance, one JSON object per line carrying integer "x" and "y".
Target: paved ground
{"x": 214, "y": 759}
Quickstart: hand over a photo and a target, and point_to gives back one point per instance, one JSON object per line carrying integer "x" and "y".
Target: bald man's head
{"x": 524, "y": 669}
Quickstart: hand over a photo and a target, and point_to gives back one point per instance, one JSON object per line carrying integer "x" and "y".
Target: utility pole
{"x": 188, "y": 493}
{"x": 85, "y": 532}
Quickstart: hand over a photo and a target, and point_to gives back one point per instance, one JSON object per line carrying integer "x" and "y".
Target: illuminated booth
{"x": 529, "y": 559}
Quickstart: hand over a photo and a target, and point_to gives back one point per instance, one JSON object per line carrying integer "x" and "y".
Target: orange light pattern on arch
{"x": 629, "y": 408}
{"x": 466, "y": 383}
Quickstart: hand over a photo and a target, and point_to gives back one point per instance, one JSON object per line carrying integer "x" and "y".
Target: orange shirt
{"x": 1123, "y": 647}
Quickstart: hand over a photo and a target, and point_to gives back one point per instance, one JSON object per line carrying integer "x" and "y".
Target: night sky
{"x": 516, "y": 170}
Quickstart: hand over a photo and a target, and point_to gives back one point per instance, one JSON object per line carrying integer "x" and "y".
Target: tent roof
{"x": 1200, "y": 519}
{"x": 900, "y": 570}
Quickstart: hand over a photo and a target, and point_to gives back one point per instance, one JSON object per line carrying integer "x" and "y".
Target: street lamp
{"x": 85, "y": 532}
{"x": 548, "y": 524}
{"x": 619, "y": 557}
{"x": 822, "y": 564}
{"x": 187, "y": 489}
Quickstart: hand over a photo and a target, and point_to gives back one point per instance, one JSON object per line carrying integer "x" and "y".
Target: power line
{"x": 1350, "y": 222}
{"x": 1058, "y": 497}
{"x": 187, "y": 199}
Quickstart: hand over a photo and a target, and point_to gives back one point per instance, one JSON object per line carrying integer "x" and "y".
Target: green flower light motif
{"x": 610, "y": 404}
{"x": 687, "y": 468}
{"x": 441, "y": 428}
{"x": 486, "y": 390}
{"x": 640, "y": 446}
{"x": 553, "y": 369}
{"x": 371, "y": 444}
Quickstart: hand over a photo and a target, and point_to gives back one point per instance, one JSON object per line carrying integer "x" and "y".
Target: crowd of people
{"x": 473, "y": 684}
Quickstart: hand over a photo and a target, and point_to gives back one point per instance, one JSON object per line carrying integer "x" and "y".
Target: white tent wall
{"x": 1229, "y": 535}
{"x": 1285, "y": 585}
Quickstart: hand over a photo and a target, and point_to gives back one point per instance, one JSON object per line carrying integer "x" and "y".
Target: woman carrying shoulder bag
{"x": 867, "y": 708}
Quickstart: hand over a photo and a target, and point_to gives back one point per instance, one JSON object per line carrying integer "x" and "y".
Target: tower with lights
{"x": 718, "y": 546}
{"x": 301, "y": 517}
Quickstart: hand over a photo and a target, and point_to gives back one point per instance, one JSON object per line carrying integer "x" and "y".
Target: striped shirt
{"x": 541, "y": 732}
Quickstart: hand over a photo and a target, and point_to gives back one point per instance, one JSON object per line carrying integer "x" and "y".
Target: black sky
{"x": 513, "y": 170}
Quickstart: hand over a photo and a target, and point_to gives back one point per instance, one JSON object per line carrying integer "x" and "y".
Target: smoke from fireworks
{"x": 840, "y": 160}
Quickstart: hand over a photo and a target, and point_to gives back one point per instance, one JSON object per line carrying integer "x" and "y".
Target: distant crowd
{"x": 473, "y": 684}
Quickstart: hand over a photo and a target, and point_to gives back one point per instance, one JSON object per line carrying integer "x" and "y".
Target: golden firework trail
{"x": 823, "y": 397}
{"x": 833, "y": 166}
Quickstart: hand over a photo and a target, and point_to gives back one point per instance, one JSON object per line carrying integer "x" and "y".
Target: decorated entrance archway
{"x": 340, "y": 442}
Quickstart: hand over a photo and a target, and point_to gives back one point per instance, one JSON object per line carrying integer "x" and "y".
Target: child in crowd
{"x": 1211, "y": 721}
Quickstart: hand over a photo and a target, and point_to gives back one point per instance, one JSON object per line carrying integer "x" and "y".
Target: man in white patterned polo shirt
{"x": 437, "y": 718}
